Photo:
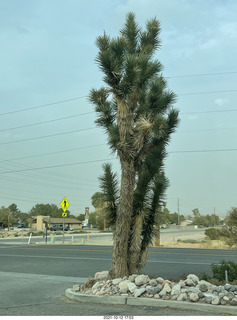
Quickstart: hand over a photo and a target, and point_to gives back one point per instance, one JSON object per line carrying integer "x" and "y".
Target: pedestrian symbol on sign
{"x": 64, "y": 204}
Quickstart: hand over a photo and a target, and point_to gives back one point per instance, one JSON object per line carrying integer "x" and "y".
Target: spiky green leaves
{"x": 109, "y": 185}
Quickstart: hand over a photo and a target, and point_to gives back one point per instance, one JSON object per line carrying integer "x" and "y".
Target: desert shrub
{"x": 205, "y": 276}
{"x": 38, "y": 233}
{"x": 213, "y": 233}
{"x": 219, "y": 270}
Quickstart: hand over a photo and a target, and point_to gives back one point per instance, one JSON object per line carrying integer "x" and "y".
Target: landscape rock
{"x": 203, "y": 287}
{"x": 227, "y": 287}
{"x": 162, "y": 293}
{"x": 193, "y": 290}
{"x": 167, "y": 288}
{"x": 201, "y": 294}
{"x": 153, "y": 283}
{"x": 96, "y": 286}
{"x": 132, "y": 287}
{"x": 190, "y": 289}
{"x": 208, "y": 299}
{"x": 233, "y": 288}
{"x": 116, "y": 281}
{"x": 193, "y": 297}
{"x": 103, "y": 275}
{"x": 153, "y": 290}
{"x": 194, "y": 278}
{"x": 216, "y": 300}
{"x": 190, "y": 282}
{"x": 160, "y": 280}
{"x": 140, "y": 280}
{"x": 132, "y": 277}
{"x": 182, "y": 297}
{"x": 139, "y": 292}
{"x": 123, "y": 286}
{"x": 176, "y": 289}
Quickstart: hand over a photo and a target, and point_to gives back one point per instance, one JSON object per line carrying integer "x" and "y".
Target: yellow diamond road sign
{"x": 64, "y": 204}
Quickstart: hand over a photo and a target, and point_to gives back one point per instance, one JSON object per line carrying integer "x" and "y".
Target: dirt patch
{"x": 205, "y": 244}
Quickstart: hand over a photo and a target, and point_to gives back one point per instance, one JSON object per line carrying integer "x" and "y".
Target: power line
{"x": 110, "y": 159}
{"x": 208, "y": 150}
{"x": 55, "y": 152}
{"x": 209, "y": 111}
{"x": 81, "y": 97}
{"x": 47, "y": 121}
{"x": 201, "y": 74}
{"x": 48, "y": 136}
{"x": 42, "y": 105}
{"x": 57, "y": 166}
{"x": 206, "y": 92}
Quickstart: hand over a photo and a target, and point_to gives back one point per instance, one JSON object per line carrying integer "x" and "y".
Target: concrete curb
{"x": 126, "y": 300}
{"x": 95, "y": 299}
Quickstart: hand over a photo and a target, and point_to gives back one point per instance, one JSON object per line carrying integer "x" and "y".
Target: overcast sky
{"x": 50, "y": 145}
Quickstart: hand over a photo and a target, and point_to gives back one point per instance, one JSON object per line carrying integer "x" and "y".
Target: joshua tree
{"x": 135, "y": 109}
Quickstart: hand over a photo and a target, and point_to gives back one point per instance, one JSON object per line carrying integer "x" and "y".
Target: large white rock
{"x": 189, "y": 282}
{"x": 96, "y": 286}
{"x": 194, "y": 278}
{"x": 162, "y": 293}
{"x": 103, "y": 275}
{"x": 132, "y": 287}
{"x": 167, "y": 288}
{"x": 176, "y": 290}
{"x": 123, "y": 286}
{"x": 142, "y": 279}
{"x": 160, "y": 280}
{"x": 208, "y": 284}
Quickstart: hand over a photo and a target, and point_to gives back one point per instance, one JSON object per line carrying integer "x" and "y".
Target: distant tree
{"x": 13, "y": 209}
{"x": 92, "y": 219}
{"x": 98, "y": 200}
{"x": 4, "y": 217}
{"x": 81, "y": 217}
{"x": 231, "y": 227}
{"x": 47, "y": 210}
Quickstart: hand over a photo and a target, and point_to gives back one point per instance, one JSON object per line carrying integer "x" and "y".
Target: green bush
{"x": 213, "y": 233}
{"x": 219, "y": 270}
{"x": 39, "y": 233}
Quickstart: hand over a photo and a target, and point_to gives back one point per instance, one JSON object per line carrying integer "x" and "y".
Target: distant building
{"x": 39, "y": 222}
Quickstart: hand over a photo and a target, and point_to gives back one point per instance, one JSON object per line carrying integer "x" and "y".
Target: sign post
{"x": 64, "y": 204}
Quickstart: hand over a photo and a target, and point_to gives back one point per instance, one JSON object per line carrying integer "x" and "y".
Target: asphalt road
{"x": 84, "y": 261}
{"x": 34, "y": 277}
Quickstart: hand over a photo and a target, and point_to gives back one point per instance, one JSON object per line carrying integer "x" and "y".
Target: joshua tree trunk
{"x": 120, "y": 264}
{"x": 135, "y": 244}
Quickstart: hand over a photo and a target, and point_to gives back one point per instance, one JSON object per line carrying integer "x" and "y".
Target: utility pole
{"x": 214, "y": 216}
{"x": 178, "y": 210}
